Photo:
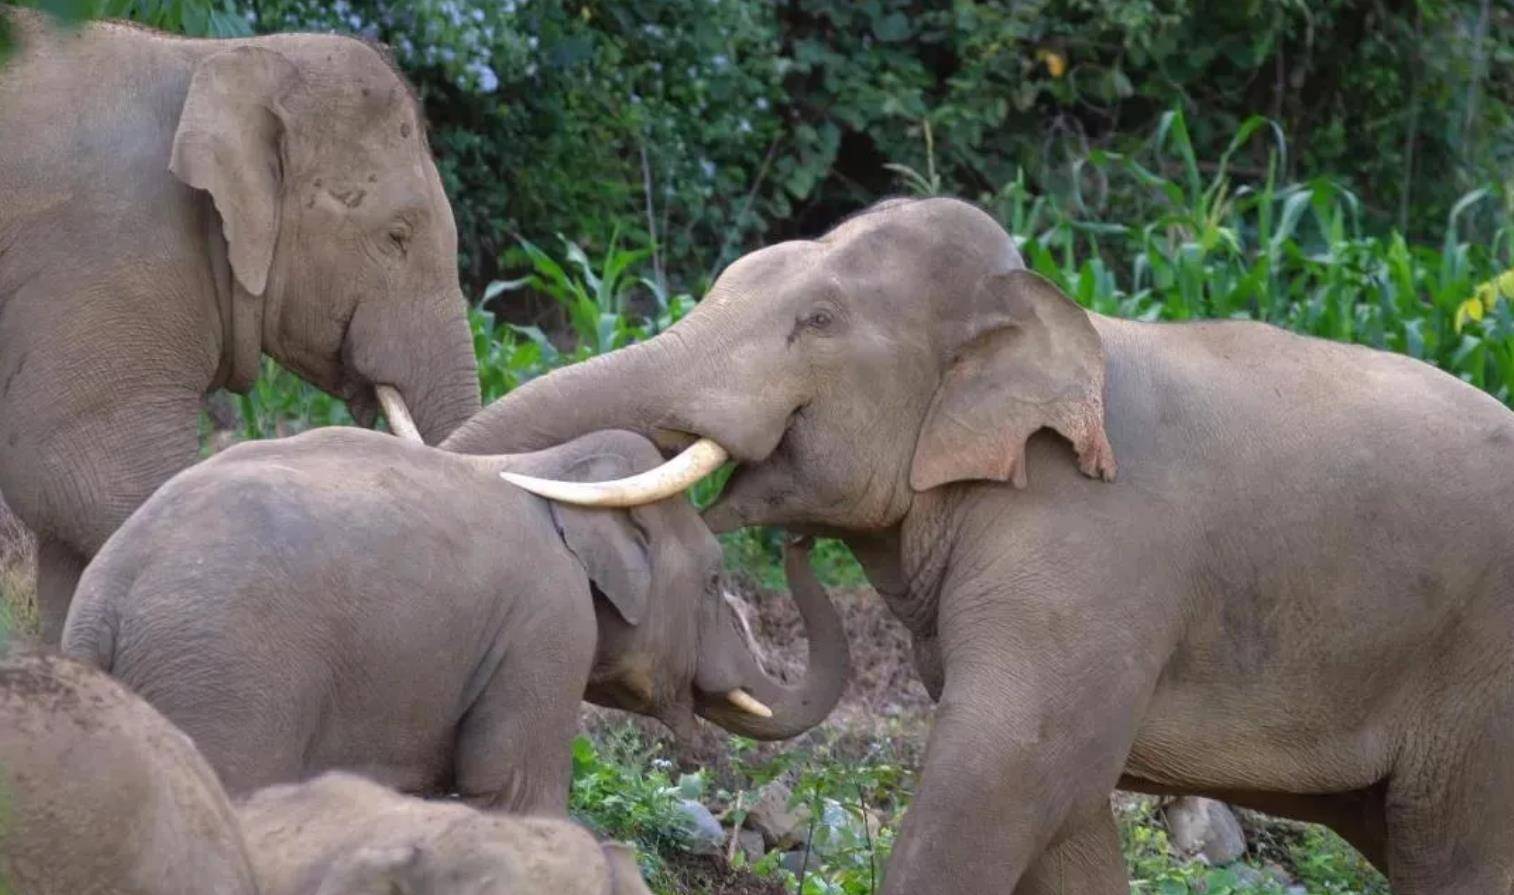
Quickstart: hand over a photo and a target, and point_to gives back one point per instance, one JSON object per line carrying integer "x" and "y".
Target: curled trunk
{"x": 799, "y": 707}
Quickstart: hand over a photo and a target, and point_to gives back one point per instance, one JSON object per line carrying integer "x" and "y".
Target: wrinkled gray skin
{"x": 172, "y": 210}
{"x": 1297, "y": 593}
{"x": 347, "y": 599}
{"x": 341, "y": 834}
{"x": 99, "y": 794}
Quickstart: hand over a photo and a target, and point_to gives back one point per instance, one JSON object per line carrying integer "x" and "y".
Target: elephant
{"x": 99, "y": 793}
{"x": 1295, "y": 591}
{"x": 173, "y": 210}
{"x": 344, "y": 599}
{"x": 342, "y": 834}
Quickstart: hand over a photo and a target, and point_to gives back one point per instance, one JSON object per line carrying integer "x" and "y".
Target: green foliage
{"x": 1326, "y": 864}
{"x": 622, "y": 789}
{"x": 196, "y": 18}
{"x": 855, "y": 792}
{"x": 848, "y": 797}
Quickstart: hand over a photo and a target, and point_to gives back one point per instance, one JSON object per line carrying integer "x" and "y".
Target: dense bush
{"x": 698, "y": 128}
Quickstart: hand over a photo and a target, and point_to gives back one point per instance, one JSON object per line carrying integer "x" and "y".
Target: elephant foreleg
{"x": 1084, "y": 859}
{"x": 58, "y": 569}
{"x": 514, "y": 749}
{"x": 1033, "y": 730}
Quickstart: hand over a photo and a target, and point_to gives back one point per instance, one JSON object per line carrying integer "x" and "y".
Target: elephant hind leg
{"x": 1084, "y": 859}
{"x": 58, "y": 569}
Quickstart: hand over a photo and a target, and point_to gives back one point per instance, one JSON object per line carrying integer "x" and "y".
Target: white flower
{"x": 761, "y": 104}
{"x": 708, "y": 167}
{"x": 488, "y": 81}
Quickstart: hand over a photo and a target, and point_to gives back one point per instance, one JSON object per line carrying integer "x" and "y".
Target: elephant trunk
{"x": 795, "y": 708}
{"x": 631, "y": 388}
{"x": 436, "y": 375}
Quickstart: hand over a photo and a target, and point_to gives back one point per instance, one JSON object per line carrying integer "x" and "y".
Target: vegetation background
{"x": 1342, "y": 168}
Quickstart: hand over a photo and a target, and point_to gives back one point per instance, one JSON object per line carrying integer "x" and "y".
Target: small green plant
{"x": 622, "y": 788}
{"x": 1325, "y": 864}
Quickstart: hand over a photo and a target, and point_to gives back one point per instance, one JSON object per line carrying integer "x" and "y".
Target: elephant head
{"x": 906, "y": 349}
{"x": 670, "y": 644}
{"x": 339, "y": 244}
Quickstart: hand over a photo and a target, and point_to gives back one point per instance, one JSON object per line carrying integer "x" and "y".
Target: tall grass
{"x": 1294, "y": 255}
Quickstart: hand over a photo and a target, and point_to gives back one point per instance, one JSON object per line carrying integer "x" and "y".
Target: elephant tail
{"x": 90, "y": 634}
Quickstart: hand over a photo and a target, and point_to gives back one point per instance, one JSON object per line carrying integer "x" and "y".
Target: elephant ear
{"x": 609, "y": 543}
{"x": 1031, "y": 359}
{"x": 228, "y": 143}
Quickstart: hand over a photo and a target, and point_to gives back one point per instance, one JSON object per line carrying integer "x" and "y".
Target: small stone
{"x": 1249, "y": 877}
{"x": 752, "y": 845}
{"x": 705, "y": 835}
{"x": 1200, "y": 826}
{"x": 794, "y": 861}
{"x": 1295, "y": 890}
{"x": 780, "y": 825}
{"x": 1277, "y": 874}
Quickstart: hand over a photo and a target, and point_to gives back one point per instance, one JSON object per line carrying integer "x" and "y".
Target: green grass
{"x": 624, "y": 787}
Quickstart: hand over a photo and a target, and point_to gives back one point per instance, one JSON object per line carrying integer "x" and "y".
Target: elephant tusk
{"x": 395, "y": 412}
{"x": 694, "y": 463}
{"x": 745, "y": 701}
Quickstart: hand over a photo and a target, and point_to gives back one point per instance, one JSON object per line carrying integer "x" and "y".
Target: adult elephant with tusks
{"x": 175, "y": 208}
{"x": 1297, "y": 594}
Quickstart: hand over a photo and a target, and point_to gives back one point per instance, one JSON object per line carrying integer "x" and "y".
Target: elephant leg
{"x": 1084, "y": 859}
{"x": 1026, "y": 737}
{"x": 1450, "y": 811}
{"x": 58, "y": 569}
{"x": 514, "y": 748}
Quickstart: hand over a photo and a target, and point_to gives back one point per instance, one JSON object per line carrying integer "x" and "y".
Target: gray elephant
{"x": 100, "y": 794}
{"x": 1297, "y": 595}
{"x": 346, "y": 599}
{"x": 341, "y": 834}
{"x": 173, "y": 209}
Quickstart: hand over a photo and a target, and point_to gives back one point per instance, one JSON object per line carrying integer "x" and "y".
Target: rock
{"x": 1295, "y": 890}
{"x": 792, "y": 861}
{"x": 705, "y": 835}
{"x": 1249, "y": 877}
{"x": 752, "y": 845}
{"x": 770, "y": 815}
{"x": 1277, "y": 874}
{"x": 1199, "y": 826}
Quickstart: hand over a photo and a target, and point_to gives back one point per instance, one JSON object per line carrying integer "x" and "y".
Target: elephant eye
{"x": 399, "y": 235}
{"x": 820, "y": 318}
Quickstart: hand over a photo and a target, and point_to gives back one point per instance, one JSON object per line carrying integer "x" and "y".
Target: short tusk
{"x": 697, "y": 461}
{"x": 399, "y": 419}
{"x": 745, "y": 701}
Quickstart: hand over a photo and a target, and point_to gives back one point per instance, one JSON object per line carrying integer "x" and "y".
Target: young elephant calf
{"x": 346, "y": 599}
{"x": 340, "y": 834}
{"x": 99, "y": 794}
